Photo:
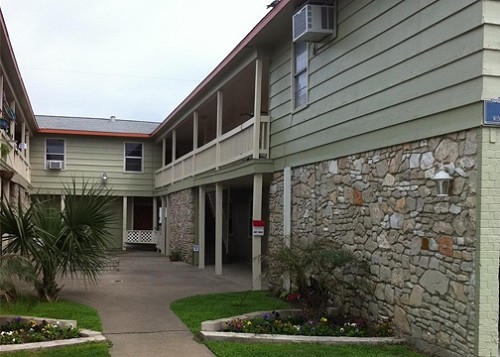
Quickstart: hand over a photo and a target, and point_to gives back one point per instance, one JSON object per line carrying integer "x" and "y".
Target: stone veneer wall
{"x": 420, "y": 247}
{"x": 182, "y": 218}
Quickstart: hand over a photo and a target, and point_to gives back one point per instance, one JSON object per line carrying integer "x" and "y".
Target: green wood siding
{"x": 491, "y": 66}
{"x": 90, "y": 157}
{"x": 398, "y": 71}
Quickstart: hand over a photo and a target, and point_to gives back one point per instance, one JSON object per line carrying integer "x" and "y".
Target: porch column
{"x": 257, "y": 107}
{"x": 220, "y": 100}
{"x": 167, "y": 226}
{"x": 163, "y": 220}
{"x": 155, "y": 221}
{"x": 23, "y": 137}
{"x": 13, "y": 122}
{"x": 196, "y": 125}
{"x": 256, "y": 240}
{"x": 124, "y": 222}
{"x": 155, "y": 212}
{"x": 201, "y": 227}
{"x": 218, "y": 229}
{"x": 174, "y": 144}
{"x": 163, "y": 152}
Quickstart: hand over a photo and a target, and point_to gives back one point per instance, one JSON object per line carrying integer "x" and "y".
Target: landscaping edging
{"x": 86, "y": 336}
{"x": 211, "y": 331}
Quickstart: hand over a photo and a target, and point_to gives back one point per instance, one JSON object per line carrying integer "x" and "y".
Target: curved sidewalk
{"x": 133, "y": 303}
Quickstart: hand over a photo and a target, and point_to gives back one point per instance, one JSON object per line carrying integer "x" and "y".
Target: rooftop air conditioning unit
{"x": 312, "y": 23}
{"x": 55, "y": 165}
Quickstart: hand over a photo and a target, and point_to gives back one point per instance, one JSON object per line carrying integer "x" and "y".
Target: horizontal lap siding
{"x": 90, "y": 157}
{"x": 491, "y": 66}
{"x": 395, "y": 66}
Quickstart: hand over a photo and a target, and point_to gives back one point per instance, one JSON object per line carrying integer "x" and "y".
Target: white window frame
{"x": 300, "y": 49}
{"x": 125, "y": 157}
{"x": 47, "y": 153}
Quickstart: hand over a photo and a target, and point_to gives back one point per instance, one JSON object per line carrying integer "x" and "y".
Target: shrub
{"x": 317, "y": 270}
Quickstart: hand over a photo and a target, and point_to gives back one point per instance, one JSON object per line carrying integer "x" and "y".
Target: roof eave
{"x": 271, "y": 15}
{"x": 93, "y": 133}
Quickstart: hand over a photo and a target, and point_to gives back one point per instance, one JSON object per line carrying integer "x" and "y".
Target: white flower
{"x": 341, "y": 329}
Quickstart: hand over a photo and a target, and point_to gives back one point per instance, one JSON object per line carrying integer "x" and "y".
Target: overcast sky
{"x": 134, "y": 59}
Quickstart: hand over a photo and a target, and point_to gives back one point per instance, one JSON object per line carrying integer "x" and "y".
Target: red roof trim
{"x": 92, "y": 133}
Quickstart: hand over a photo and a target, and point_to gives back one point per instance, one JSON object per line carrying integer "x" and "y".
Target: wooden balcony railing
{"x": 235, "y": 145}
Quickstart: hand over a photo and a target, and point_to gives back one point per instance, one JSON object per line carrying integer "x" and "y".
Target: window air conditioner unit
{"x": 55, "y": 165}
{"x": 312, "y": 23}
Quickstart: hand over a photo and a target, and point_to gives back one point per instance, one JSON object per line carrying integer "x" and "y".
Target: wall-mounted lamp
{"x": 104, "y": 178}
{"x": 443, "y": 180}
{"x": 22, "y": 146}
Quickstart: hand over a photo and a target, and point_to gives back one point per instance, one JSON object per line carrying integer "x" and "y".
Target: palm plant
{"x": 12, "y": 267}
{"x": 68, "y": 242}
{"x": 317, "y": 270}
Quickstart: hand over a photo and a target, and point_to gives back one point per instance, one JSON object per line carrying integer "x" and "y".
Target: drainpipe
{"x": 287, "y": 216}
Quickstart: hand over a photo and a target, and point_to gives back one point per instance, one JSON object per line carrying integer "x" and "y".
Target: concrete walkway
{"x": 133, "y": 303}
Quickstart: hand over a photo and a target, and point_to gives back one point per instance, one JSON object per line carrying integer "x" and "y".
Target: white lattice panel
{"x": 144, "y": 237}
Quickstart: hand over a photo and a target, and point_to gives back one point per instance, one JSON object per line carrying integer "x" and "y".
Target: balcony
{"x": 15, "y": 160}
{"x": 238, "y": 144}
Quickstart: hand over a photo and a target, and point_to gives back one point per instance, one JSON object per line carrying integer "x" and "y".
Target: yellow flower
{"x": 324, "y": 320}
{"x": 249, "y": 323}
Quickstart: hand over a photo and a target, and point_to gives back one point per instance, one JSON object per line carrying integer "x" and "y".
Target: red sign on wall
{"x": 257, "y": 227}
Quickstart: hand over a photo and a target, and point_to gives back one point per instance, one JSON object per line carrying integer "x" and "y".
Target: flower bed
{"x": 284, "y": 326}
{"x": 21, "y": 330}
{"x": 275, "y": 324}
{"x": 83, "y": 335}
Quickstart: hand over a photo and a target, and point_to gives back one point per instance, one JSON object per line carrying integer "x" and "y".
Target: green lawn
{"x": 84, "y": 350}
{"x": 229, "y": 349}
{"x": 86, "y": 317}
{"x": 196, "y": 309}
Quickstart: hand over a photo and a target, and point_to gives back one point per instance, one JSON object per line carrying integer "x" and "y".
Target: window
{"x": 133, "y": 157}
{"x": 54, "y": 153}
{"x": 300, "y": 74}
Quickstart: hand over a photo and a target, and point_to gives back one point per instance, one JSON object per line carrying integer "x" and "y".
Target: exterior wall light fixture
{"x": 443, "y": 180}
{"x": 104, "y": 178}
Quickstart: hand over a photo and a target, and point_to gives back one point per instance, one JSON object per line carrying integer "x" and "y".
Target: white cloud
{"x": 135, "y": 59}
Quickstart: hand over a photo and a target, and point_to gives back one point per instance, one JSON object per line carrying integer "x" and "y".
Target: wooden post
{"x": 201, "y": 227}
{"x": 220, "y": 101}
{"x": 257, "y": 107}
{"x": 218, "y": 229}
{"x": 257, "y": 240}
{"x": 124, "y": 222}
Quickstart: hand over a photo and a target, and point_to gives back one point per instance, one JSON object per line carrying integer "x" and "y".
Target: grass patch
{"x": 196, "y": 309}
{"x": 83, "y": 350}
{"x": 230, "y": 349}
{"x": 86, "y": 316}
